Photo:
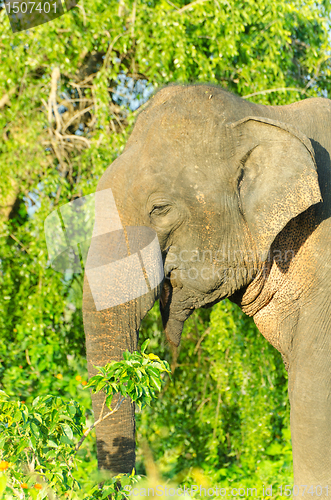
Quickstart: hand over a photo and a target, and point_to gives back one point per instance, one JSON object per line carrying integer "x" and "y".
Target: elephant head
{"x": 218, "y": 179}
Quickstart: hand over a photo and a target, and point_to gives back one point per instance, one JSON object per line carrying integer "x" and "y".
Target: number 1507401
{"x": 30, "y": 7}
{"x": 304, "y": 490}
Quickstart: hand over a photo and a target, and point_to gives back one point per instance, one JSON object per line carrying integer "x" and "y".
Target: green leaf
{"x": 123, "y": 390}
{"x": 156, "y": 382}
{"x": 68, "y": 431}
{"x": 145, "y": 345}
{"x": 36, "y": 401}
{"x": 35, "y": 429}
{"x": 109, "y": 401}
{"x": 3, "y": 396}
{"x": 72, "y": 410}
{"x": 99, "y": 386}
{"x": 52, "y": 444}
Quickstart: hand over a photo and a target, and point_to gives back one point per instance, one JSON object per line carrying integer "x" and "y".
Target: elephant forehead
{"x": 176, "y": 142}
{"x": 179, "y": 109}
{"x": 183, "y": 121}
{"x": 174, "y": 120}
{"x": 197, "y": 103}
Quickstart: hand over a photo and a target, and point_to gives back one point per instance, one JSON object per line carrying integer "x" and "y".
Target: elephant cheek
{"x": 173, "y": 327}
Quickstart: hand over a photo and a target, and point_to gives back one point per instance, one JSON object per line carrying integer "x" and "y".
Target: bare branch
{"x": 121, "y": 8}
{"x": 77, "y": 138}
{"x": 103, "y": 407}
{"x": 205, "y": 333}
{"x": 190, "y": 5}
{"x": 110, "y": 49}
{"x": 18, "y": 241}
{"x": 86, "y": 80}
{"x": 172, "y": 4}
{"x": 84, "y": 99}
{"x": 100, "y": 419}
{"x": 268, "y": 91}
{"x": 52, "y": 104}
{"x": 202, "y": 403}
{"x": 58, "y": 155}
{"x": 76, "y": 115}
{"x": 28, "y": 360}
{"x": 133, "y": 17}
{"x": 80, "y": 6}
{"x": 219, "y": 399}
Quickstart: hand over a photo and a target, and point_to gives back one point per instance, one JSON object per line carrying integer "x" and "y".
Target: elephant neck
{"x": 283, "y": 282}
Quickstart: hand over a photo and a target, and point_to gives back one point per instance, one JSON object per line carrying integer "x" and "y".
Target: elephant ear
{"x": 277, "y": 178}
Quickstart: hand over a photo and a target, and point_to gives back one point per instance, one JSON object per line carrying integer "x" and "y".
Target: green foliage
{"x": 224, "y": 418}
{"x": 138, "y": 376}
{"x": 39, "y": 442}
{"x": 248, "y": 399}
{"x": 39, "y": 438}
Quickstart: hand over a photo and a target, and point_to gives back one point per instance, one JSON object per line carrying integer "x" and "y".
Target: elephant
{"x": 238, "y": 194}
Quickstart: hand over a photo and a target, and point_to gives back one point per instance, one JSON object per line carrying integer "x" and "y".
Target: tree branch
{"x": 268, "y": 91}
{"x": 205, "y": 333}
{"x": 18, "y": 241}
{"x": 52, "y": 105}
{"x": 110, "y": 49}
{"x": 76, "y": 115}
{"x": 100, "y": 419}
{"x": 189, "y": 5}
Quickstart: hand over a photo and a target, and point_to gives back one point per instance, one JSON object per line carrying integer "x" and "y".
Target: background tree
{"x": 69, "y": 94}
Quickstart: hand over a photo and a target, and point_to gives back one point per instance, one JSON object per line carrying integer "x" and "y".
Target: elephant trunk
{"x": 109, "y": 333}
{"x": 123, "y": 277}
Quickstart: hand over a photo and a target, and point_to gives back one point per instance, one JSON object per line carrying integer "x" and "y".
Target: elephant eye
{"x": 160, "y": 210}
{"x": 165, "y": 216}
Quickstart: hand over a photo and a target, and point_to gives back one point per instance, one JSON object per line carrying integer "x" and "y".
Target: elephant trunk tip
{"x": 173, "y": 331}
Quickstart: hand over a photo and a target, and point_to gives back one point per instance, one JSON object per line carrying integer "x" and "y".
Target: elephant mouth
{"x": 178, "y": 302}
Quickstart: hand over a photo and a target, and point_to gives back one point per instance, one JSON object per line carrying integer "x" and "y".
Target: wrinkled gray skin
{"x": 239, "y": 195}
